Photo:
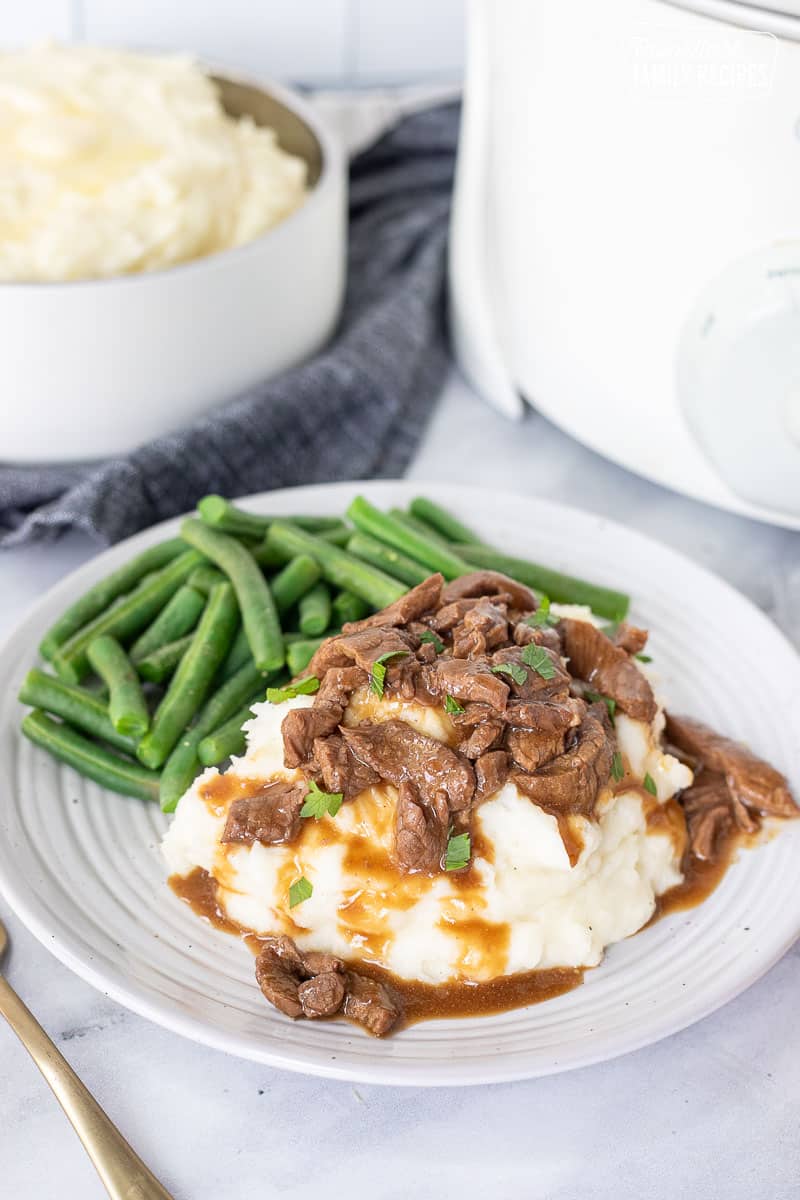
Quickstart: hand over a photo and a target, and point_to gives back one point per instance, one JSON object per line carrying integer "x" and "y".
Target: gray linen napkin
{"x": 356, "y": 411}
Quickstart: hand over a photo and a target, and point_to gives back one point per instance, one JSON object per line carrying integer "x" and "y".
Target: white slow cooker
{"x": 625, "y": 251}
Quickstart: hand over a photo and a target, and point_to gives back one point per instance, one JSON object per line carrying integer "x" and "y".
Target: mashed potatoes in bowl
{"x": 459, "y": 808}
{"x": 113, "y": 163}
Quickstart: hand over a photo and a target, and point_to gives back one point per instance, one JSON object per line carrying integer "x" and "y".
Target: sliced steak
{"x": 363, "y": 648}
{"x": 399, "y": 754}
{"x": 451, "y": 615}
{"x": 338, "y": 685}
{"x": 571, "y": 782}
{"x": 340, "y": 769}
{"x": 270, "y": 816}
{"x": 302, "y": 726}
{"x": 491, "y": 772}
{"x": 524, "y": 634}
{"x": 420, "y": 830}
{"x": 630, "y": 638}
{"x": 371, "y": 1004}
{"x": 423, "y": 598}
{"x": 465, "y": 679}
{"x": 279, "y": 972}
{"x": 483, "y": 737}
{"x": 751, "y": 780}
{"x": 484, "y": 628}
{"x": 322, "y": 995}
{"x": 535, "y": 686}
{"x": 606, "y": 668}
{"x": 545, "y": 716}
{"x": 532, "y": 748}
{"x": 490, "y": 583}
{"x": 709, "y": 815}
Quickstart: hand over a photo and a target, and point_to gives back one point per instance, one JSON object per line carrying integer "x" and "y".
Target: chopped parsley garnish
{"x": 434, "y": 639}
{"x": 456, "y": 856}
{"x": 643, "y": 657}
{"x": 303, "y": 687}
{"x": 538, "y": 658}
{"x": 518, "y": 674}
{"x": 377, "y": 676}
{"x": 597, "y": 698}
{"x": 318, "y": 803}
{"x": 300, "y": 890}
{"x": 650, "y": 785}
{"x": 452, "y": 706}
{"x": 543, "y": 617}
{"x": 617, "y": 767}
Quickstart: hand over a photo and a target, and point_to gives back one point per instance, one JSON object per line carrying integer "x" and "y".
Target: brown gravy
{"x": 421, "y": 1001}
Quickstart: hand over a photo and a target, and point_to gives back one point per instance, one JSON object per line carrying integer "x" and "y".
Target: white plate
{"x": 82, "y": 867}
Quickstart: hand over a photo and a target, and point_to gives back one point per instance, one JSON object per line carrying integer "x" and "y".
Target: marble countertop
{"x": 711, "y": 1111}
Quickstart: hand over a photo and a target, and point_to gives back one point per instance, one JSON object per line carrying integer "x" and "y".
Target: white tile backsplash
{"x": 328, "y": 42}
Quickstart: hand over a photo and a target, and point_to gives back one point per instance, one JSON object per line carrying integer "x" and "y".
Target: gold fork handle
{"x": 121, "y": 1170}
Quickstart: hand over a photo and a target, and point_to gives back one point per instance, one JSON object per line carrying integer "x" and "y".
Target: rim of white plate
{"x": 640, "y": 994}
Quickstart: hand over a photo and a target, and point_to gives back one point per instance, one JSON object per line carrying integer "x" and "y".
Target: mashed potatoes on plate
{"x": 113, "y": 163}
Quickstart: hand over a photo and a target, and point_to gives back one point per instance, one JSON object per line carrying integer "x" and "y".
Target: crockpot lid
{"x": 781, "y": 17}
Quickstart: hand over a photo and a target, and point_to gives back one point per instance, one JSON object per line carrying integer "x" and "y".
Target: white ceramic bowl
{"x": 93, "y": 368}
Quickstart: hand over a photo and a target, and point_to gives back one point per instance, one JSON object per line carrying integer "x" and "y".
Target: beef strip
{"x": 571, "y": 782}
{"x": 752, "y": 781}
{"x": 400, "y": 753}
{"x": 371, "y": 1004}
{"x": 340, "y": 769}
{"x": 707, "y": 806}
{"x": 270, "y": 816}
{"x": 363, "y": 647}
{"x": 322, "y": 995}
{"x": 491, "y": 772}
{"x": 422, "y": 599}
{"x": 535, "y": 686}
{"x": 338, "y": 685}
{"x": 483, "y": 737}
{"x": 420, "y": 830}
{"x": 545, "y": 716}
{"x": 466, "y": 679}
{"x": 606, "y": 668}
{"x": 532, "y": 748}
{"x": 302, "y": 726}
{"x": 524, "y": 634}
{"x": 490, "y": 583}
{"x": 484, "y": 628}
{"x": 630, "y": 638}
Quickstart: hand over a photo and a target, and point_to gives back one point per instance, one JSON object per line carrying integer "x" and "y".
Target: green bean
{"x": 75, "y": 705}
{"x": 315, "y": 610}
{"x": 125, "y": 618}
{"x": 126, "y": 704}
{"x": 228, "y": 739}
{"x": 267, "y": 556}
{"x": 257, "y": 606}
{"x": 414, "y": 525}
{"x": 205, "y": 577}
{"x": 299, "y": 654}
{"x": 348, "y": 608}
{"x": 183, "y": 763}
{"x": 102, "y": 593}
{"x": 237, "y": 656}
{"x": 159, "y": 665}
{"x": 418, "y": 546}
{"x": 564, "y": 589}
{"x": 222, "y": 514}
{"x": 442, "y": 522}
{"x": 338, "y": 567}
{"x": 192, "y": 679}
{"x": 380, "y": 555}
{"x": 297, "y": 577}
{"x": 118, "y": 774}
{"x": 178, "y": 617}
{"x": 337, "y": 536}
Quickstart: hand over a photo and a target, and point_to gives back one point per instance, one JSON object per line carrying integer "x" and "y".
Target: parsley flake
{"x": 597, "y": 698}
{"x": 518, "y": 674}
{"x": 456, "y": 856}
{"x": 318, "y": 803}
{"x": 434, "y": 639}
{"x": 617, "y": 767}
{"x": 377, "y": 676}
{"x": 300, "y": 890}
{"x": 538, "y": 658}
{"x": 452, "y": 706}
{"x": 303, "y": 687}
{"x": 650, "y": 785}
{"x": 543, "y": 617}
{"x": 643, "y": 657}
